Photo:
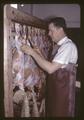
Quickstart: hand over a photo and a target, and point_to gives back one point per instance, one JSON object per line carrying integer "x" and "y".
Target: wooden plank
{"x": 24, "y": 18}
{"x": 8, "y": 92}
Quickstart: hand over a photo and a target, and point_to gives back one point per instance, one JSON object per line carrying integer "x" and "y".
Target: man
{"x": 60, "y": 96}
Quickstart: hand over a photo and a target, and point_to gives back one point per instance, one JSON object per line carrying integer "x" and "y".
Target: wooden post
{"x": 8, "y": 92}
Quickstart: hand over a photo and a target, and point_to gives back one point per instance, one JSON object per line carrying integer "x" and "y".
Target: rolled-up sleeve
{"x": 64, "y": 54}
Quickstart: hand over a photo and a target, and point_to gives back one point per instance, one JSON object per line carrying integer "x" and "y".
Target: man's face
{"x": 54, "y": 32}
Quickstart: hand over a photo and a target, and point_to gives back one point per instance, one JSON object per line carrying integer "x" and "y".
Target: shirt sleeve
{"x": 64, "y": 54}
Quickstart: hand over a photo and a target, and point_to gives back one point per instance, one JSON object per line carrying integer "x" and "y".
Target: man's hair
{"x": 58, "y": 22}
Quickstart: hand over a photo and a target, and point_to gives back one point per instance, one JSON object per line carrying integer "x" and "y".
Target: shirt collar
{"x": 63, "y": 40}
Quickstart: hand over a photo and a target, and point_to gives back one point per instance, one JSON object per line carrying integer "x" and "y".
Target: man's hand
{"x": 27, "y": 49}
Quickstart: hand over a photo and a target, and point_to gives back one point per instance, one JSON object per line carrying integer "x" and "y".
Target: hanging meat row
{"x": 27, "y": 76}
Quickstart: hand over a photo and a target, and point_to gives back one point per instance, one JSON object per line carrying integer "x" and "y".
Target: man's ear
{"x": 61, "y": 28}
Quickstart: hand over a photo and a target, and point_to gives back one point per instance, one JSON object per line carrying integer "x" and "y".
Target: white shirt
{"x": 67, "y": 53}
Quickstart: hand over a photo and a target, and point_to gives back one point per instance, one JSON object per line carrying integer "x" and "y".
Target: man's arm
{"x": 49, "y": 67}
